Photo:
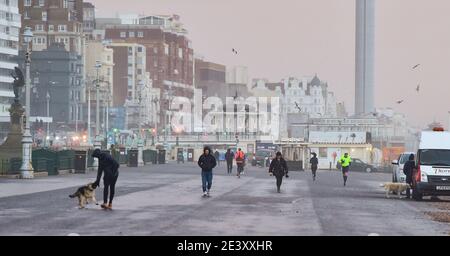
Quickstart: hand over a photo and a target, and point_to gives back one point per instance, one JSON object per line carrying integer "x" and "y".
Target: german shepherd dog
{"x": 85, "y": 194}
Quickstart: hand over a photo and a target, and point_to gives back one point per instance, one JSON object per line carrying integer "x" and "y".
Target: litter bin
{"x": 133, "y": 158}
{"x": 161, "y": 156}
{"x": 81, "y": 161}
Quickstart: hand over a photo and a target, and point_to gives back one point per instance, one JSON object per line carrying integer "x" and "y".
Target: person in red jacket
{"x": 240, "y": 161}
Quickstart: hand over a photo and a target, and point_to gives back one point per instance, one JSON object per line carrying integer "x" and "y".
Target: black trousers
{"x": 229, "y": 166}
{"x": 279, "y": 181}
{"x": 110, "y": 188}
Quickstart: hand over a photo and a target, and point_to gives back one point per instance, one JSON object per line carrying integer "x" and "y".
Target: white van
{"x": 433, "y": 165}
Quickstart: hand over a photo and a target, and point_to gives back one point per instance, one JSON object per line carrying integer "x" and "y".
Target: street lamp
{"x": 48, "y": 114}
{"x": 140, "y": 143}
{"x": 26, "y": 170}
{"x": 97, "y": 143}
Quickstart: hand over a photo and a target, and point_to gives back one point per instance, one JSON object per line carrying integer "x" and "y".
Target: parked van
{"x": 432, "y": 177}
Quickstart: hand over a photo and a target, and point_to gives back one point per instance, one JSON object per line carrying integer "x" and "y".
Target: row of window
{"x": 12, "y": 31}
{"x": 9, "y": 44}
{"x": 9, "y": 16}
{"x": 51, "y": 28}
{"x": 132, "y": 34}
{"x": 40, "y": 3}
{"x": 12, "y": 3}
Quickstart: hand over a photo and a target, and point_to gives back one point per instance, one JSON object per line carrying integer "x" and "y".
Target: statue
{"x": 12, "y": 146}
{"x": 18, "y": 83}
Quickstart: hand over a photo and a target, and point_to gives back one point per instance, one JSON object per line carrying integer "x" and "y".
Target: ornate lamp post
{"x": 26, "y": 170}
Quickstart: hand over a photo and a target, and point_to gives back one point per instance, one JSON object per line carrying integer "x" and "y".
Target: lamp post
{"x": 97, "y": 143}
{"x": 48, "y": 116}
{"x": 26, "y": 170}
{"x": 89, "y": 114}
{"x": 140, "y": 143}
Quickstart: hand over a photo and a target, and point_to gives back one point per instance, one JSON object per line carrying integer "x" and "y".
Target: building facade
{"x": 54, "y": 21}
{"x": 10, "y": 24}
{"x": 57, "y": 86}
{"x": 88, "y": 19}
{"x": 169, "y": 54}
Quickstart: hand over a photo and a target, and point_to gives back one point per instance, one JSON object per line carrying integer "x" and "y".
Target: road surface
{"x": 166, "y": 200}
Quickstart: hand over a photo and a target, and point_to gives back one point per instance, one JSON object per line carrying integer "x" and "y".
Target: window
{"x": 39, "y": 27}
{"x": 62, "y": 28}
{"x": 139, "y": 71}
{"x": 140, "y": 34}
{"x": 123, "y": 34}
{"x": 51, "y": 28}
{"x": 41, "y": 2}
{"x": 27, "y": 3}
{"x": 65, "y": 4}
{"x": 155, "y": 50}
{"x": 131, "y": 34}
{"x": 155, "y": 63}
{"x": 180, "y": 53}
{"x": 44, "y": 16}
{"x": 166, "y": 49}
{"x": 140, "y": 49}
{"x": 25, "y": 15}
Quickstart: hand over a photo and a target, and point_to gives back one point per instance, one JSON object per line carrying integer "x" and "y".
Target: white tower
{"x": 365, "y": 36}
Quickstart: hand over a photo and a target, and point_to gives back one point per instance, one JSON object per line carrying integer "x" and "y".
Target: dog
{"x": 395, "y": 187}
{"x": 85, "y": 194}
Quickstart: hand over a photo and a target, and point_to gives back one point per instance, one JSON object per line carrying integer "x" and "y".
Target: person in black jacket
{"x": 408, "y": 170}
{"x": 207, "y": 162}
{"x": 229, "y": 156}
{"x": 314, "y": 163}
{"x": 278, "y": 168}
{"x": 110, "y": 168}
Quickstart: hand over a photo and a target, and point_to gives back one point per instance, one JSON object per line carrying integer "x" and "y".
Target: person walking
{"x": 314, "y": 163}
{"x": 217, "y": 156}
{"x": 240, "y": 162}
{"x": 207, "y": 162}
{"x": 345, "y": 162}
{"x": 408, "y": 170}
{"x": 109, "y": 168}
{"x": 279, "y": 169}
{"x": 229, "y": 157}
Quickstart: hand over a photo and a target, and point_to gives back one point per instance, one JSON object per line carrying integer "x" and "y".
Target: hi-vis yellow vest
{"x": 345, "y": 161}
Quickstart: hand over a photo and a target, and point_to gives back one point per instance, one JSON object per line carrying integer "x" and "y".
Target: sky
{"x": 279, "y": 38}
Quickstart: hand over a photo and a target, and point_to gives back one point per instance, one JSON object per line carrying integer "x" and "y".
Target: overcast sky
{"x": 277, "y": 38}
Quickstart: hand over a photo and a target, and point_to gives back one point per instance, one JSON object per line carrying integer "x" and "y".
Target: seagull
{"x": 418, "y": 88}
{"x": 400, "y": 101}
{"x": 416, "y": 66}
{"x": 299, "y": 108}
{"x": 234, "y": 51}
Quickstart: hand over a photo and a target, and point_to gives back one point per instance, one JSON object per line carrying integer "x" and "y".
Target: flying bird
{"x": 418, "y": 88}
{"x": 234, "y": 51}
{"x": 400, "y": 101}
{"x": 416, "y": 66}
{"x": 297, "y": 106}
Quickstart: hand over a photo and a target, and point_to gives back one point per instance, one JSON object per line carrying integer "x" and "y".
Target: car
{"x": 359, "y": 166}
{"x": 397, "y": 170}
{"x": 262, "y": 156}
{"x": 432, "y": 175}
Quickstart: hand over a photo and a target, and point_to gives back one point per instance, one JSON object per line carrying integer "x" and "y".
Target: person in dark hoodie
{"x": 207, "y": 162}
{"x": 110, "y": 170}
{"x": 314, "y": 162}
{"x": 408, "y": 170}
{"x": 229, "y": 156}
{"x": 278, "y": 168}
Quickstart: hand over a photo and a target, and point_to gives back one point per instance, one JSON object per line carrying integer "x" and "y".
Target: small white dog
{"x": 395, "y": 187}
